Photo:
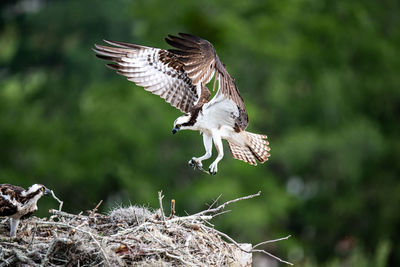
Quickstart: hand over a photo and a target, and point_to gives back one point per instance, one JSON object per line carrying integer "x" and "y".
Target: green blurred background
{"x": 320, "y": 78}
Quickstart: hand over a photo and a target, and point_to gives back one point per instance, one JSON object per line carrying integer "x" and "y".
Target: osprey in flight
{"x": 180, "y": 77}
{"x": 18, "y": 203}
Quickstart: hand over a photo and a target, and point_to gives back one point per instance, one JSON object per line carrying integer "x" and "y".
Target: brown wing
{"x": 157, "y": 70}
{"x": 8, "y": 196}
{"x": 201, "y": 62}
{"x": 197, "y": 55}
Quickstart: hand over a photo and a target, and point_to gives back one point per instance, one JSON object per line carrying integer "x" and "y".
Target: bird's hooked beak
{"x": 175, "y": 130}
{"x": 47, "y": 192}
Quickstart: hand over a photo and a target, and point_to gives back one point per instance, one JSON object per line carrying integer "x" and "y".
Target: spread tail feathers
{"x": 255, "y": 147}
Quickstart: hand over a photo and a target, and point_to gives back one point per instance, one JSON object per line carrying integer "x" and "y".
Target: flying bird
{"x": 180, "y": 76}
{"x": 18, "y": 203}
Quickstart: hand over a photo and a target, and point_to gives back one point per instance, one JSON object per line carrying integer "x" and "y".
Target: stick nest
{"x": 127, "y": 236}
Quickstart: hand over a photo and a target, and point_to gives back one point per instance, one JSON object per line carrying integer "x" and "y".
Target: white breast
{"x": 218, "y": 117}
{"x": 30, "y": 206}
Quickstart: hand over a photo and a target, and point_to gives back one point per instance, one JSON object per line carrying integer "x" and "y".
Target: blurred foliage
{"x": 320, "y": 78}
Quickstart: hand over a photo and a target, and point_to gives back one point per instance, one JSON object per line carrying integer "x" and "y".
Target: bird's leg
{"x": 14, "y": 225}
{"x": 220, "y": 149}
{"x": 196, "y": 162}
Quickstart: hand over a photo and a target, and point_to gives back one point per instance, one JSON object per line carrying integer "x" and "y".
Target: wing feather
{"x": 201, "y": 62}
{"x": 8, "y": 199}
{"x": 157, "y": 70}
{"x": 178, "y": 75}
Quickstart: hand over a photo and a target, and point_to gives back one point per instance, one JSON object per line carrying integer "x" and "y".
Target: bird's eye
{"x": 42, "y": 189}
{"x": 178, "y": 126}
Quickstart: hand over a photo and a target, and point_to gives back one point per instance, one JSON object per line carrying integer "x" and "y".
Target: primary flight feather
{"x": 180, "y": 76}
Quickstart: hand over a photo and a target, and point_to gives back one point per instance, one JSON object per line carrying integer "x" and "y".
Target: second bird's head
{"x": 37, "y": 189}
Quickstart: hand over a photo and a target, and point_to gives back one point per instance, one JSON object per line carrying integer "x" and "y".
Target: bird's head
{"x": 181, "y": 123}
{"x": 37, "y": 189}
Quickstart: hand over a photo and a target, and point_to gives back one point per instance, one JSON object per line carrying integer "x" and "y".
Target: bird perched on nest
{"x": 179, "y": 76}
{"x": 18, "y": 203}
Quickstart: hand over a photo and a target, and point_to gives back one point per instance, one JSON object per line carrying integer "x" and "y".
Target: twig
{"x": 22, "y": 258}
{"x": 176, "y": 219}
{"x": 158, "y": 240}
{"x": 13, "y": 245}
{"x": 160, "y": 198}
{"x": 172, "y": 209}
{"x": 93, "y": 211}
{"x": 59, "y": 201}
{"x": 101, "y": 248}
{"x": 68, "y": 226}
{"x": 64, "y": 214}
{"x": 190, "y": 218}
{"x": 222, "y": 206}
{"x": 49, "y": 250}
{"x": 52, "y": 247}
{"x": 179, "y": 258}
{"x": 33, "y": 236}
{"x": 244, "y": 250}
{"x": 220, "y": 213}
{"x": 215, "y": 201}
{"x": 83, "y": 231}
{"x": 130, "y": 230}
{"x": 194, "y": 164}
{"x": 271, "y": 255}
{"x": 272, "y": 241}
{"x": 7, "y": 262}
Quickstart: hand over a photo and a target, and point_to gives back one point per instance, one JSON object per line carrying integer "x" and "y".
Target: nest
{"x": 127, "y": 236}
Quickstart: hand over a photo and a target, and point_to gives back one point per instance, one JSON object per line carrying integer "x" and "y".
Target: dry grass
{"x": 131, "y": 236}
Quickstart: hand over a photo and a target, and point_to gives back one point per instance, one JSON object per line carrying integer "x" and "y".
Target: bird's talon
{"x": 210, "y": 171}
{"x": 197, "y": 165}
{"x": 193, "y": 163}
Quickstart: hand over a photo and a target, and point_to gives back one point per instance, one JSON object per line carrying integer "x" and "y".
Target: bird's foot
{"x": 213, "y": 169}
{"x": 197, "y": 165}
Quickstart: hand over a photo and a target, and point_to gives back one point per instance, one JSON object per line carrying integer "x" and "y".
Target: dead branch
{"x": 63, "y": 214}
{"x": 222, "y": 206}
{"x": 271, "y": 241}
{"x": 59, "y": 201}
{"x": 160, "y": 198}
{"x": 93, "y": 211}
{"x": 172, "y": 209}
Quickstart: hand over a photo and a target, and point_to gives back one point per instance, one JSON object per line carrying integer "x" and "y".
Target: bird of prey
{"x": 180, "y": 76}
{"x": 18, "y": 203}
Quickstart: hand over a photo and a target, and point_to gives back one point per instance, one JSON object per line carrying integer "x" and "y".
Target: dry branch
{"x": 59, "y": 201}
{"x": 222, "y": 206}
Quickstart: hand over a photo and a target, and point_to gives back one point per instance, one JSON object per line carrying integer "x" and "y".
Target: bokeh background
{"x": 320, "y": 78}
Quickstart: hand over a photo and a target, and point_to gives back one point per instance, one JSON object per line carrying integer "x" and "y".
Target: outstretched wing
{"x": 157, "y": 70}
{"x": 200, "y": 62}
